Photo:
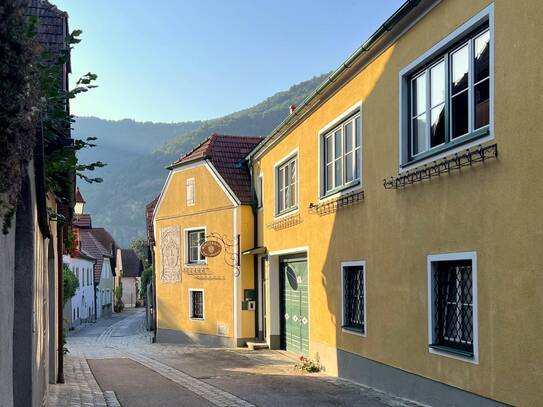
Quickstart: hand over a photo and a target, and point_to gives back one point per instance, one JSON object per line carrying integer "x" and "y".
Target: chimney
{"x": 292, "y": 108}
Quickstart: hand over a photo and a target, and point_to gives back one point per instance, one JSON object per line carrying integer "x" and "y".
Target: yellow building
{"x": 205, "y": 209}
{"x": 427, "y": 284}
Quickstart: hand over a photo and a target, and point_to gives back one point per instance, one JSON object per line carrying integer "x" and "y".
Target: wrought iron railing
{"x": 333, "y": 205}
{"x": 443, "y": 167}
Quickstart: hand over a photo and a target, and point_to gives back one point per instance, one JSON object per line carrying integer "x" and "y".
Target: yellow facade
{"x": 221, "y": 280}
{"x": 493, "y": 209}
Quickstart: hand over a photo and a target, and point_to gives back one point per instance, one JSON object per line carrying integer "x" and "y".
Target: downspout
{"x": 60, "y": 302}
{"x": 255, "y": 243}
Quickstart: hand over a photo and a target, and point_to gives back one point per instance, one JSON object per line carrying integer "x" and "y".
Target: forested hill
{"x": 138, "y": 152}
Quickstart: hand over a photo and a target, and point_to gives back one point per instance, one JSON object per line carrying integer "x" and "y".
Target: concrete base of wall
{"x": 392, "y": 380}
{"x": 275, "y": 342}
{"x": 180, "y": 337}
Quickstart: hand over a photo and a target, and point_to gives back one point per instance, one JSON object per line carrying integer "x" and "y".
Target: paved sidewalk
{"x": 80, "y": 388}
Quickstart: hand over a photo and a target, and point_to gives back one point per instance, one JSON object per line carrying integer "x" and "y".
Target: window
{"x": 259, "y": 190}
{"x": 190, "y": 192}
{"x": 196, "y": 304}
{"x": 446, "y": 94}
{"x": 353, "y": 299}
{"x": 195, "y": 238}
{"x": 287, "y": 185}
{"x": 342, "y": 155}
{"x": 452, "y": 304}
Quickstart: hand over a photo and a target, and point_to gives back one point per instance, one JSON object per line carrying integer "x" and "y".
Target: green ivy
{"x": 70, "y": 283}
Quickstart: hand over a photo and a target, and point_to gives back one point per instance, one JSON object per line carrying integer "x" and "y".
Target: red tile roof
{"x": 82, "y": 221}
{"x": 131, "y": 264}
{"x": 78, "y": 196}
{"x": 92, "y": 246}
{"x": 227, "y": 154}
{"x": 149, "y": 209}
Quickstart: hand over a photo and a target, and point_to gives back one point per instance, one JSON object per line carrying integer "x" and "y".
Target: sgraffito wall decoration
{"x": 170, "y": 251}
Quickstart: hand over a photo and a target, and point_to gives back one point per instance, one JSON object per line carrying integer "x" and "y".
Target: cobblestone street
{"x": 113, "y": 362}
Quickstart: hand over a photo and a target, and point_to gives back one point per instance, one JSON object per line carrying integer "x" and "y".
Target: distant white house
{"x": 99, "y": 245}
{"x": 80, "y": 308}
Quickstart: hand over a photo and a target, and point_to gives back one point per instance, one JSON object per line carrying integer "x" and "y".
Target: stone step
{"x": 257, "y": 345}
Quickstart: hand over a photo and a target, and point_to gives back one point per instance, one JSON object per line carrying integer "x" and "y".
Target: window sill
{"x": 438, "y": 152}
{"x": 286, "y": 213}
{"x": 453, "y": 353}
{"x": 197, "y": 319}
{"x": 346, "y": 189}
{"x": 353, "y": 331}
{"x": 189, "y": 265}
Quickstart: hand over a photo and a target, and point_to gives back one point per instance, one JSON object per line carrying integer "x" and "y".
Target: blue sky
{"x": 178, "y": 60}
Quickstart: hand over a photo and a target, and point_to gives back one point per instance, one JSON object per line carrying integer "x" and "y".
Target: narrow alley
{"x": 113, "y": 362}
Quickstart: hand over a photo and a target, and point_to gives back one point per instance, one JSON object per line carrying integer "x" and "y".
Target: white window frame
{"x": 407, "y": 73}
{"x": 345, "y": 264}
{"x": 190, "y": 183}
{"x": 436, "y": 258}
{"x": 293, "y": 155}
{"x": 329, "y": 129}
{"x": 186, "y": 245}
{"x": 190, "y": 308}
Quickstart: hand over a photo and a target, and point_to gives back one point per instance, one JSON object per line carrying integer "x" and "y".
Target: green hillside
{"x": 137, "y": 154}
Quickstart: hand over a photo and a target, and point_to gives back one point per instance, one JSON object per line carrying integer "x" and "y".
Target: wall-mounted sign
{"x": 210, "y": 248}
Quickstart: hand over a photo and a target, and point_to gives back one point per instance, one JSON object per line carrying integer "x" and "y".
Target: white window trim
{"x": 187, "y": 183}
{"x": 191, "y": 290}
{"x": 343, "y": 266}
{"x": 486, "y": 14}
{"x": 320, "y": 159}
{"x": 434, "y": 258}
{"x": 186, "y": 246}
{"x": 294, "y": 153}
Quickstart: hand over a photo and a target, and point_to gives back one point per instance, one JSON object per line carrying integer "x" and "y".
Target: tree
{"x": 146, "y": 277}
{"x": 33, "y": 102}
{"x": 119, "y": 305}
{"x": 70, "y": 283}
{"x": 141, "y": 248}
{"x": 18, "y": 101}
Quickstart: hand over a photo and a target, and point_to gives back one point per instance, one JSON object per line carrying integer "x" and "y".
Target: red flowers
{"x": 301, "y": 358}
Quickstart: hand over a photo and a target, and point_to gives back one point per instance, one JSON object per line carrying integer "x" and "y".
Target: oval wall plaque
{"x": 210, "y": 248}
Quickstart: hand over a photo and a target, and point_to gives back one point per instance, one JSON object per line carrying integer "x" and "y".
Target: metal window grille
{"x": 197, "y": 301}
{"x": 353, "y": 298}
{"x": 453, "y": 305}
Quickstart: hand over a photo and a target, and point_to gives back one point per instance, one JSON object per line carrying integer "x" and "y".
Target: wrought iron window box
{"x": 443, "y": 167}
{"x": 333, "y": 205}
{"x": 454, "y": 351}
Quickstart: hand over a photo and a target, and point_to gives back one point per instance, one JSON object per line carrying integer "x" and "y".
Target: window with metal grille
{"x": 452, "y": 291}
{"x": 195, "y": 238}
{"x": 196, "y": 304}
{"x": 353, "y": 298}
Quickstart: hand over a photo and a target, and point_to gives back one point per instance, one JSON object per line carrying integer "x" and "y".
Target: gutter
{"x": 388, "y": 25}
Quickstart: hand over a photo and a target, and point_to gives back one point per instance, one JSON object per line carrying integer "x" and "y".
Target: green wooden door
{"x": 295, "y": 305}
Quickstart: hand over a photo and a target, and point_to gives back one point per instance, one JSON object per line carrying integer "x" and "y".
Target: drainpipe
{"x": 60, "y": 302}
{"x": 255, "y": 243}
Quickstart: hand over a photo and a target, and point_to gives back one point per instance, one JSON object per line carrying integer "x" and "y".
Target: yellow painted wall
{"x": 214, "y": 211}
{"x": 494, "y": 209}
